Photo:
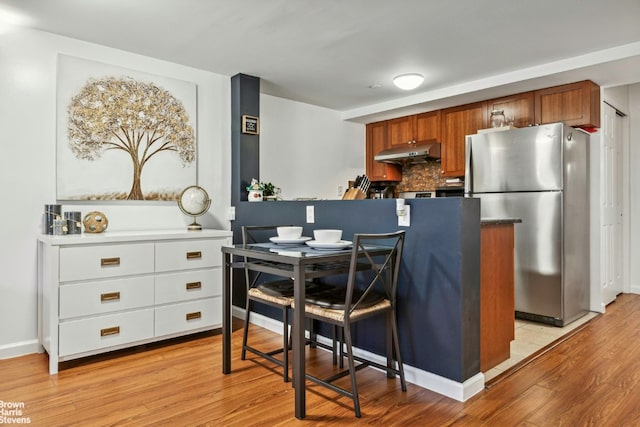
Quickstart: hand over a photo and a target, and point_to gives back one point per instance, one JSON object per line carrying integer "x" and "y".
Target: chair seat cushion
{"x": 277, "y": 288}
{"x": 334, "y": 298}
{"x": 281, "y": 291}
{"x": 284, "y": 288}
{"x": 338, "y": 315}
{"x": 258, "y": 294}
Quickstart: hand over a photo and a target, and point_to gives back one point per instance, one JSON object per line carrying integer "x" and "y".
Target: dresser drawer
{"x": 91, "y": 298}
{"x": 186, "y": 316}
{"x": 188, "y": 254}
{"x": 95, "y": 262}
{"x": 79, "y": 336}
{"x": 188, "y": 285}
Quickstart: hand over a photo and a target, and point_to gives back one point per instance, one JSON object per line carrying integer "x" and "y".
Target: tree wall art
{"x": 123, "y": 134}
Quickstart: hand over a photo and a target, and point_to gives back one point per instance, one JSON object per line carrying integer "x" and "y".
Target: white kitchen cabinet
{"x": 102, "y": 292}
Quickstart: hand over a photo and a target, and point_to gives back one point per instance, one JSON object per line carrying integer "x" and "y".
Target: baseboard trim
{"x": 436, "y": 383}
{"x": 20, "y": 349}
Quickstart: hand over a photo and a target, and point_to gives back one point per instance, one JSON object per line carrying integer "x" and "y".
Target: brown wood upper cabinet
{"x": 376, "y": 142}
{"x": 520, "y": 107}
{"x": 575, "y": 104}
{"x": 456, "y": 124}
{"x": 413, "y": 129}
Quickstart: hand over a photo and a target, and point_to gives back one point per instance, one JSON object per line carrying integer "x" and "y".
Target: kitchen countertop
{"x": 494, "y": 221}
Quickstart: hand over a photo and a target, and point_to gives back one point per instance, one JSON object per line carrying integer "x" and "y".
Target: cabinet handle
{"x": 111, "y": 296}
{"x": 194, "y": 255}
{"x": 109, "y": 261}
{"x": 110, "y": 331}
{"x": 194, "y": 285}
{"x": 194, "y": 315}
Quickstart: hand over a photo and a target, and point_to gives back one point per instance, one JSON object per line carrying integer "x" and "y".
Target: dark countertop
{"x": 494, "y": 221}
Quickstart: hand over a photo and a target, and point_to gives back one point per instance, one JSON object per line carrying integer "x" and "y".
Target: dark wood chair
{"x": 276, "y": 293}
{"x": 360, "y": 299}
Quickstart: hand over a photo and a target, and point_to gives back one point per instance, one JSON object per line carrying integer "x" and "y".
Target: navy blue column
{"x": 245, "y": 148}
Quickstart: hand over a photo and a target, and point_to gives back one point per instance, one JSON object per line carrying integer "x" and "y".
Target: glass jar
{"x": 497, "y": 118}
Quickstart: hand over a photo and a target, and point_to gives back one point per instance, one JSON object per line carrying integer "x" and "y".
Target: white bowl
{"x": 327, "y": 236}
{"x": 289, "y": 232}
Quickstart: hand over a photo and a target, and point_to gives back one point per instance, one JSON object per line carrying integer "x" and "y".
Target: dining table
{"x": 300, "y": 262}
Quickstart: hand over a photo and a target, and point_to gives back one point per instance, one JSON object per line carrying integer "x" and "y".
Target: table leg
{"x": 226, "y": 314}
{"x": 299, "y": 342}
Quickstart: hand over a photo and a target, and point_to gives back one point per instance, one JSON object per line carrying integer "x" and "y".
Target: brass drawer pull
{"x": 111, "y": 296}
{"x": 194, "y": 285}
{"x": 194, "y": 315}
{"x": 110, "y": 331}
{"x": 104, "y": 262}
{"x": 194, "y": 255}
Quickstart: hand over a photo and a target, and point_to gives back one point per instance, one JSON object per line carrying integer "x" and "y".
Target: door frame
{"x": 623, "y": 162}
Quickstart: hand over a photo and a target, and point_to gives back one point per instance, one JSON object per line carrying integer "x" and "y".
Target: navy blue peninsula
{"x": 439, "y": 289}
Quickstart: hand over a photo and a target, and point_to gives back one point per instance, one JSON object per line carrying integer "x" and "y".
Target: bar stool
{"x": 346, "y": 305}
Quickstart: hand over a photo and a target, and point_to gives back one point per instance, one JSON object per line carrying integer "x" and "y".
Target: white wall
{"x": 634, "y": 187}
{"x": 308, "y": 151}
{"x": 27, "y": 164}
{"x": 333, "y": 153}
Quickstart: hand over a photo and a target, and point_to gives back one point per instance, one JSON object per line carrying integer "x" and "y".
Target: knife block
{"x": 354, "y": 194}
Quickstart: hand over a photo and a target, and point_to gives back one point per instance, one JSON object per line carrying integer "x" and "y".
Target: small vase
{"x": 255, "y": 195}
{"x": 497, "y": 118}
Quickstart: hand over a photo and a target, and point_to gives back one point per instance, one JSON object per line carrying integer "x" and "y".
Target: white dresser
{"x": 102, "y": 292}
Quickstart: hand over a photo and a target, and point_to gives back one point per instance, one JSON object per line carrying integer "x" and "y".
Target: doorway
{"x": 610, "y": 204}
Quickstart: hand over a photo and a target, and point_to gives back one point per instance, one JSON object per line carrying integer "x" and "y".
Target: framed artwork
{"x": 122, "y": 134}
{"x": 250, "y": 125}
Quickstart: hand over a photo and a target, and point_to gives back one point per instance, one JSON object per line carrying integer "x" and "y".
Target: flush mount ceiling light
{"x": 408, "y": 81}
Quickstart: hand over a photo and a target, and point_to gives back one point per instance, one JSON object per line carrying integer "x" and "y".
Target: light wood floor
{"x": 590, "y": 379}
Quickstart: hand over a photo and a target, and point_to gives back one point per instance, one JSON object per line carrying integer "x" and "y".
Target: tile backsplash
{"x": 421, "y": 176}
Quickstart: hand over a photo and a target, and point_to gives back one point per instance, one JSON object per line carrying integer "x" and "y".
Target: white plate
{"x": 342, "y": 244}
{"x": 281, "y": 241}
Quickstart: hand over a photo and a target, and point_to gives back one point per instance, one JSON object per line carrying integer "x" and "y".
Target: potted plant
{"x": 269, "y": 191}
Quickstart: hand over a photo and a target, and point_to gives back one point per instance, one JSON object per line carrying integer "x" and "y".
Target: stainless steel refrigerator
{"x": 540, "y": 175}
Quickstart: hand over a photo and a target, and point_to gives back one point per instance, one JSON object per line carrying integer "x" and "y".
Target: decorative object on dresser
{"x": 194, "y": 201}
{"x": 95, "y": 222}
{"x": 51, "y": 213}
{"x": 74, "y": 222}
{"x": 122, "y": 289}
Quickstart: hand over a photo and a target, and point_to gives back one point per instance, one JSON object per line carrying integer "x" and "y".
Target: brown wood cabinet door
{"x": 400, "y": 131}
{"x": 413, "y": 129}
{"x": 575, "y": 104}
{"x": 376, "y": 142}
{"x": 519, "y": 107}
{"x": 496, "y": 294}
{"x": 427, "y": 126}
{"x": 456, "y": 124}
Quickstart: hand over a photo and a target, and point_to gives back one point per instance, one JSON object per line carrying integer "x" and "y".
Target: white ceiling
{"x": 330, "y": 52}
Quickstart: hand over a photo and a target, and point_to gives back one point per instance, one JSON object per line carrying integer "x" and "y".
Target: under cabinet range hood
{"x": 411, "y": 153}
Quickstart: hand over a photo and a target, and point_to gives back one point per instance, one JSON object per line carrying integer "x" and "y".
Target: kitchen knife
{"x": 364, "y": 187}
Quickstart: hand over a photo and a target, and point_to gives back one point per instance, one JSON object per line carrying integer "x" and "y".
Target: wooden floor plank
{"x": 592, "y": 378}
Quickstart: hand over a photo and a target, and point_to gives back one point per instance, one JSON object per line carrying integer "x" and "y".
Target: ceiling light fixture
{"x": 408, "y": 81}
